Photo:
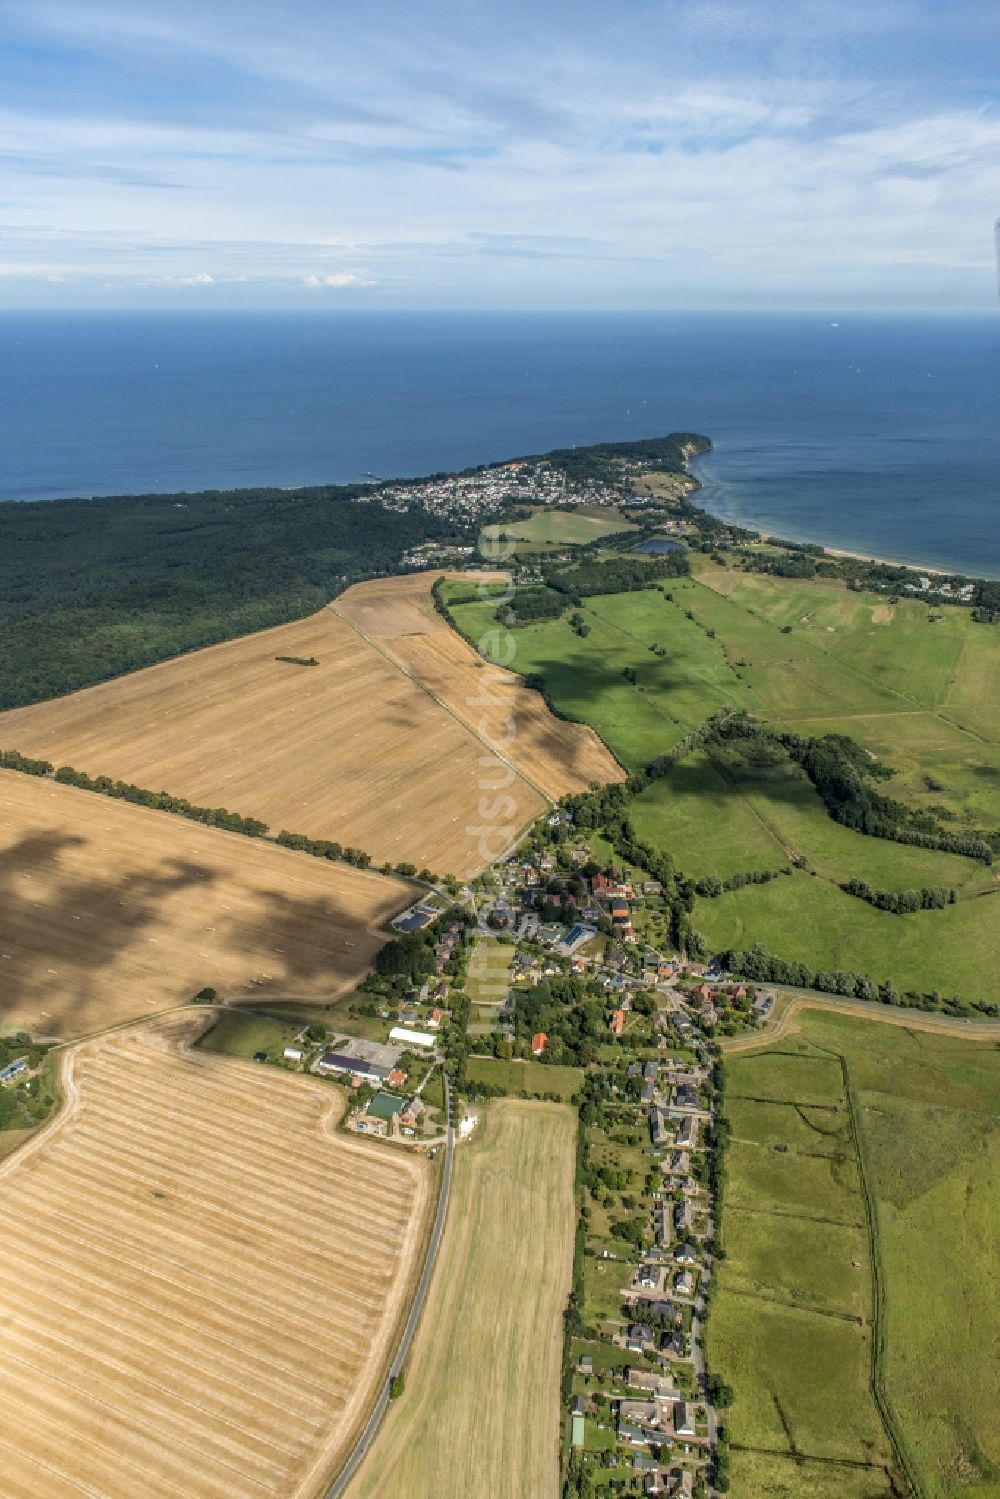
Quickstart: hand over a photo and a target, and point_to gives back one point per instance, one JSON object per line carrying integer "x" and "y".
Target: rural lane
{"x": 799, "y": 999}
{"x": 364, "y": 1442}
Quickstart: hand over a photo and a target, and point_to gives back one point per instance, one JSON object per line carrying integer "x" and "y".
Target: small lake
{"x": 659, "y": 544}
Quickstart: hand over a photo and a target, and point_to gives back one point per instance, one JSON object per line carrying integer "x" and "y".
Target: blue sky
{"x": 562, "y": 154}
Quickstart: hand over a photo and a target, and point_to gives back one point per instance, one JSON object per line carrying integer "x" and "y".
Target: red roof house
{"x": 539, "y": 1044}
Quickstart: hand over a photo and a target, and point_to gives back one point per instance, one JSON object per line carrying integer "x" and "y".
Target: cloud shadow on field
{"x": 60, "y": 930}
{"x": 311, "y": 940}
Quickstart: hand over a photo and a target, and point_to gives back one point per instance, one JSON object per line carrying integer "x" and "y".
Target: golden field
{"x": 112, "y": 911}
{"x": 200, "y": 1284}
{"x": 350, "y": 749}
{"x": 399, "y": 615}
{"x": 480, "y": 1409}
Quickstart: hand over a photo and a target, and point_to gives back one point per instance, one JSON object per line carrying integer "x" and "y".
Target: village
{"x": 550, "y": 976}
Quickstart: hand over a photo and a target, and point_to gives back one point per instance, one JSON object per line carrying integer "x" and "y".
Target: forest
{"x": 90, "y": 589}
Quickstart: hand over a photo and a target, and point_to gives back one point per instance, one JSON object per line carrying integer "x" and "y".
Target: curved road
{"x": 374, "y": 1421}
{"x": 779, "y": 1025}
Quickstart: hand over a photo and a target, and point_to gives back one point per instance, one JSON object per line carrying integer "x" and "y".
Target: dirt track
{"x": 782, "y": 1021}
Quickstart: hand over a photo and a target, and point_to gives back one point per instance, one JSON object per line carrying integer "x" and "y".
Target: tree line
{"x": 901, "y": 902}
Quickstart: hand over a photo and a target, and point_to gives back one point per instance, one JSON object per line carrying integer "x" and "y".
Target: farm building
{"x": 13, "y": 1069}
{"x": 338, "y": 1061}
{"x": 292, "y": 1054}
{"x": 406, "y": 1037}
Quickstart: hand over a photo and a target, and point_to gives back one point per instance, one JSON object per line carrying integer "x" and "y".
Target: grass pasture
{"x": 925, "y": 1108}
{"x": 734, "y": 813}
{"x": 480, "y": 1411}
{"x": 518, "y": 1077}
{"x": 488, "y": 978}
{"x": 551, "y": 527}
{"x": 113, "y": 911}
{"x": 806, "y": 919}
{"x": 194, "y": 1223}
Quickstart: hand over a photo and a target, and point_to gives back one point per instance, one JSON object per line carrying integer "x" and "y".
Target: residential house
{"x": 636, "y": 1436}
{"x": 684, "y": 1419}
{"x": 617, "y": 1022}
{"x": 639, "y": 1339}
{"x": 647, "y": 1277}
{"x": 638, "y": 1413}
{"x": 413, "y": 1111}
{"x": 539, "y": 1044}
{"x": 686, "y": 1254}
{"x": 687, "y": 1132}
{"x": 684, "y": 1283}
{"x": 644, "y": 1379}
{"x": 658, "y": 1128}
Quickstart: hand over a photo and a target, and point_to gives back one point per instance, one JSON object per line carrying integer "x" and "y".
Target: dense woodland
{"x": 90, "y": 589}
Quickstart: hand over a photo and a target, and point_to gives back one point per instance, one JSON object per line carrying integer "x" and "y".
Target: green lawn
{"x": 551, "y": 527}
{"x": 929, "y": 1139}
{"x": 241, "y": 1034}
{"x": 488, "y": 978}
{"x": 533, "y": 1078}
{"x": 808, "y": 920}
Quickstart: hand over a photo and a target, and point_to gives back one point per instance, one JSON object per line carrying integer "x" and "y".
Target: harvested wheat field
{"x": 350, "y": 749}
{"x": 213, "y": 1283}
{"x": 398, "y": 614}
{"x": 110, "y": 911}
{"x": 480, "y": 1410}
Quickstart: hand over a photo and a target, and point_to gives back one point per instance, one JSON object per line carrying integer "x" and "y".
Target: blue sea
{"x": 877, "y": 434}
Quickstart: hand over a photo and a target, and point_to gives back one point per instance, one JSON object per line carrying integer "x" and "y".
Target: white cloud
{"x": 338, "y": 278}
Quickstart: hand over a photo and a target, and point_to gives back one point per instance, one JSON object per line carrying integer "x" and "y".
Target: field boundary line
{"x": 880, "y": 1394}
{"x": 394, "y": 661}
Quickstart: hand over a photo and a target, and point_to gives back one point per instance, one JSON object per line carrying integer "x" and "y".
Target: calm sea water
{"x": 875, "y": 434}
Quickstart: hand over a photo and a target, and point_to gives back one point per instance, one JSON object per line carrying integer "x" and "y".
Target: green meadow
{"x": 816, "y": 658}
{"x": 536, "y": 1079}
{"x": 551, "y": 527}
{"x": 915, "y": 1116}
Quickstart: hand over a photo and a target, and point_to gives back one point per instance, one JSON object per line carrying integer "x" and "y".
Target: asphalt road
{"x": 339, "y": 1485}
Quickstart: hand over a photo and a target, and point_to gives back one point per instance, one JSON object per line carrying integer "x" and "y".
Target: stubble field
{"x": 112, "y": 911}
{"x": 398, "y": 613}
{"x": 480, "y": 1412}
{"x": 213, "y": 1282}
{"x": 375, "y": 746}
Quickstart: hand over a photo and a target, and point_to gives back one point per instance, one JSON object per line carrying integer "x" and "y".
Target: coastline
{"x": 931, "y": 569}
